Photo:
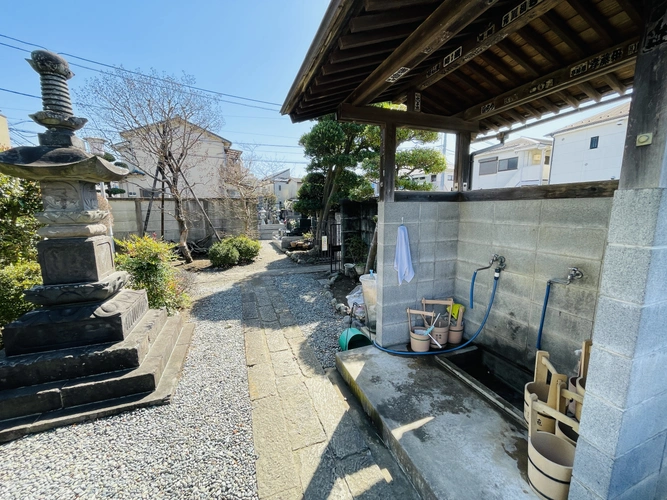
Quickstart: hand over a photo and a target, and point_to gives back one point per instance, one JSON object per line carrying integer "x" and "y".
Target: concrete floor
{"x": 452, "y": 443}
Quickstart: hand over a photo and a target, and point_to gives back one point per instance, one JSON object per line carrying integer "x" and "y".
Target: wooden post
{"x": 462, "y": 169}
{"x": 645, "y": 155}
{"x": 388, "y": 162}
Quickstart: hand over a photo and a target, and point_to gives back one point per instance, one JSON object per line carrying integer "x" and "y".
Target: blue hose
{"x": 472, "y": 289}
{"x": 544, "y": 311}
{"x": 432, "y": 353}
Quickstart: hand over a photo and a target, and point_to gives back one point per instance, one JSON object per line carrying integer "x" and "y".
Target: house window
{"x": 279, "y": 187}
{"x": 488, "y": 166}
{"x": 450, "y": 177}
{"x": 508, "y": 164}
{"x": 433, "y": 177}
{"x": 594, "y": 142}
{"x": 547, "y": 159}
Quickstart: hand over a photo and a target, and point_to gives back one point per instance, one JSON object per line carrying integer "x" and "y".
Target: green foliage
{"x": 363, "y": 191}
{"x": 148, "y": 261}
{"x": 14, "y": 279}
{"x": 234, "y": 250}
{"x": 311, "y": 195}
{"x": 113, "y": 191}
{"x": 308, "y": 236}
{"x": 223, "y": 254}
{"x": 19, "y": 200}
{"x": 357, "y": 249}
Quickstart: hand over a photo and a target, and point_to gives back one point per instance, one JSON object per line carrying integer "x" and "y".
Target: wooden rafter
{"x": 377, "y": 36}
{"x": 577, "y": 73}
{"x": 535, "y": 40}
{"x": 466, "y": 80}
{"x": 516, "y": 115}
{"x": 375, "y": 5}
{"x": 411, "y": 119}
{"x": 565, "y": 33}
{"x": 390, "y": 18}
{"x": 452, "y": 88}
{"x": 471, "y": 46}
{"x": 586, "y": 9}
{"x": 531, "y": 109}
{"x": 520, "y": 57}
{"x": 568, "y": 98}
{"x": 590, "y": 91}
{"x": 484, "y": 75}
{"x": 445, "y": 22}
{"x": 339, "y": 56}
{"x": 614, "y": 83}
{"x": 548, "y": 105}
{"x": 330, "y": 87}
{"x": 364, "y": 62}
{"x": 629, "y": 7}
{"x": 490, "y": 59}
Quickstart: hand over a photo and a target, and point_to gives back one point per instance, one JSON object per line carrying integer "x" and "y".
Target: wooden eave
{"x": 498, "y": 62}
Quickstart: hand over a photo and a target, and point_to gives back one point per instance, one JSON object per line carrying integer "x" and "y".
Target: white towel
{"x": 403, "y": 261}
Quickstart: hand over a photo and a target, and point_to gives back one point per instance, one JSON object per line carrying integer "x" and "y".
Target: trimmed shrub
{"x": 13, "y": 280}
{"x": 248, "y": 248}
{"x": 148, "y": 261}
{"x": 223, "y": 254}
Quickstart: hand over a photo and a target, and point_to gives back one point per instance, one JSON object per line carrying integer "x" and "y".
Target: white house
{"x": 4, "y": 134}
{"x": 520, "y": 162}
{"x": 207, "y": 154}
{"x": 590, "y": 149}
{"x": 283, "y": 186}
{"x": 440, "y": 182}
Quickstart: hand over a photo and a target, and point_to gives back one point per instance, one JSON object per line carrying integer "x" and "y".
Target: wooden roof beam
{"x": 615, "y": 84}
{"x": 375, "y": 5}
{"x": 445, "y": 22}
{"x": 520, "y": 57}
{"x": 411, "y": 119}
{"x": 568, "y": 98}
{"x": 576, "y": 73}
{"x": 518, "y": 117}
{"x": 330, "y": 87}
{"x": 339, "y": 56}
{"x": 466, "y": 80}
{"x": 505, "y": 23}
{"x": 587, "y": 10}
{"x": 629, "y": 8}
{"x": 535, "y": 40}
{"x": 450, "y": 87}
{"x": 564, "y": 32}
{"x": 590, "y": 91}
{"x": 364, "y": 62}
{"x": 531, "y": 110}
{"x": 390, "y": 19}
{"x": 485, "y": 76}
{"x": 377, "y": 36}
{"x": 548, "y": 105}
{"x": 490, "y": 59}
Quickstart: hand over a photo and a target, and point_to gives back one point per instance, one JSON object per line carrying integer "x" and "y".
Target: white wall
{"x": 574, "y": 161}
{"x": 526, "y": 173}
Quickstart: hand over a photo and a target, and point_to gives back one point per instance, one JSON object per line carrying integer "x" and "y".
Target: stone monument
{"x": 90, "y": 334}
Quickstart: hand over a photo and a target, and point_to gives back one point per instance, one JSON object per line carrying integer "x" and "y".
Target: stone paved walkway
{"x": 310, "y": 443}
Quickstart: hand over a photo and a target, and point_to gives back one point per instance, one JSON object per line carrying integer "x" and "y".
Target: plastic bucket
{"x": 544, "y": 422}
{"x": 550, "y": 460}
{"x": 349, "y": 269}
{"x": 351, "y": 338}
{"x": 419, "y": 342}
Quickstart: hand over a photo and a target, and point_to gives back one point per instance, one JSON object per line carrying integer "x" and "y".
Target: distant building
{"x": 440, "y": 182}
{"x": 283, "y": 186}
{"x": 590, "y": 149}
{"x": 520, "y": 162}
{"x": 4, "y": 133}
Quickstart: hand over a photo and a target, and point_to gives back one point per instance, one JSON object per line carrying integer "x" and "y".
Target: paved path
{"x": 310, "y": 443}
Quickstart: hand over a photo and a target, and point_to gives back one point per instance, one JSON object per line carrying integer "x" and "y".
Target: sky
{"x": 251, "y": 49}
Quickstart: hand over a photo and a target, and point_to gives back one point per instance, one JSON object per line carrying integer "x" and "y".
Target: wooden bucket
{"x": 547, "y": 393}
{"x": 550, "y": 458}
{"x": 441, "y": 330}
{"x": 419, "y": 343}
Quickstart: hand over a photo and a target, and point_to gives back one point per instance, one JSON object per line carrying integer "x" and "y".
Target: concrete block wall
{"x": 622, "y": 449}
{"x": 540, "y": 239}
{"x": 433, "y": 232}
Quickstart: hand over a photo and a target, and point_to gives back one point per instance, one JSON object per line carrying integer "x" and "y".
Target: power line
{"x": 136, "y": 73}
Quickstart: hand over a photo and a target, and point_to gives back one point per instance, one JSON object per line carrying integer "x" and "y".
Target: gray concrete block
{"x": 625, "y": 273}
{"x": 387, "y": 254}
{"x": 477, "y": 232}
{"x": 645, "y": 489}
{"x": 648, "y": 377}
{"x": 478, "y": 211}
{"x": 428, "y": 231}
{"x": 571, "y": 299}
{"x": 448, "y": 230}
{"x": 639, "y": 218}
{"x": 448, "y": 211}
{"x": 426, "y": 252}
{"x": 446, "y": 250}
{"x": 661, "y": 487}
{"x": 397, "y": 313}
{"x": 617, "y": 325}
{"x": 517, "y": 285}
{"x": 425, "y": 290}
{"x": 641, "y": 423}
{"x": 587, "y": 243}
{"x": 609, "y": 376}
{"x": 443, "y": 289}
{"x": 428, "y": 212}
{"x": 593, "y": 469}
{"x": 560, "y": 323}
{"x": 548, "y": 266}
{"x": 601, "y": 424}
{"x": 561, "y": 350}
{"x": 477, "y": 253}
{"x": 656, "y": 289}
{"x": 391, "y": 232}
{"x": 426, "y": 271}
{"x": 579, "y": 492}
{"x": 392, "y": 335}
{"x": 578, "y": 212}
{"x": 516, "y": 260}
{"x": 518, "y": 212}
{"x": 517, "y": 308}
{"x": 635, "y": 466}
{"x": 408, "y": 211}
{"x": 523, "y": 237}
{"x": 444, "y": 270}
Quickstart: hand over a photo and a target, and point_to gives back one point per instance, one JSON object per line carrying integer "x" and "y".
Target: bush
{"x": 223, "y": 254}
{"x": 248, "y": 248}
{"x": 234, "y": 250}
{"x": 13, "y": 280}
{"x": 148, "y": 261}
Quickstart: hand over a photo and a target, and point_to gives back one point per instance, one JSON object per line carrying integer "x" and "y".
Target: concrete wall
{"x": 129, "y": 216}
{"x": 540, "y": 239}
{"x": 433, "y": 232}
{"x": 574, "y": 161}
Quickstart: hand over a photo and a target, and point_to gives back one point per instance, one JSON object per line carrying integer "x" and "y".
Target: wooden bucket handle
{"x": 441, "y": 302}
{"x": 537, "y": 406}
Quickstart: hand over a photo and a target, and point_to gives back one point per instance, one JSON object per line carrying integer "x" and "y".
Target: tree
{"x": 157, "y": 122}
{"x": 19, "y": 200}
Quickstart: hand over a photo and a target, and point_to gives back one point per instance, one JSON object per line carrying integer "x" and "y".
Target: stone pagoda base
{"x": 43, "y": 388}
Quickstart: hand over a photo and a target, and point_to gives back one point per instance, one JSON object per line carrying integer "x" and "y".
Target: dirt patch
{"x": 342, "y": 287}
{"x": 197, "y": 265}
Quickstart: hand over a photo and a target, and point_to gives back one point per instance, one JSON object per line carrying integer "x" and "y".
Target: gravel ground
{"x": 314, "y": 314}
{"x": 200, "y": 446}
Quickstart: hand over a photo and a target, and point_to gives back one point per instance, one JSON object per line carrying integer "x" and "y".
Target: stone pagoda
{"x": 93, "y": 348}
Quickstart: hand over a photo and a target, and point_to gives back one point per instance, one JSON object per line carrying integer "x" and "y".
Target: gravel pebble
{"x": 200, "y": 446}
